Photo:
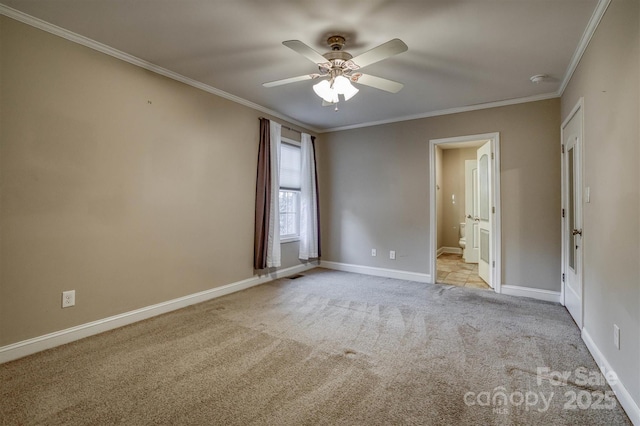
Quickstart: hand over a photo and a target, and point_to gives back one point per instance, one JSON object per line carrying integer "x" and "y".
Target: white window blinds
{"x": 290, "y": 164}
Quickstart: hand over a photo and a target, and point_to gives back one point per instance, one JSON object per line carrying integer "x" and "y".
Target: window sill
{"x": 289, "y": 240}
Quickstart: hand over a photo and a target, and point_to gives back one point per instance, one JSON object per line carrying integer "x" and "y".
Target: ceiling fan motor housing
{"x": 336, "y": 42}
{"x": 338, "y": 58}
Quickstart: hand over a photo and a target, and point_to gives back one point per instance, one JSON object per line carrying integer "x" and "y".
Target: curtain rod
{"x": 286, "y": 127}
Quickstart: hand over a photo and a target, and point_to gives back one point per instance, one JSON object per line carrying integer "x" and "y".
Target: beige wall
{"x": 375, "y": 190}
{"x": 130, "y": 188}
{"x": 454, "y": 185}
{"x": 608, "y": 79}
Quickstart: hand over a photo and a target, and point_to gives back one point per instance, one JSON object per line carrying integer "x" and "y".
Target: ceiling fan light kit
{"x": 329, "y": 90}
{"x": 339, "y": 67}
{"x": 325, "y": 91}
{"x": 344, "y": 87}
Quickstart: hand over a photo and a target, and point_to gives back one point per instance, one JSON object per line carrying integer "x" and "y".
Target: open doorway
{"x": 464, "y": 210}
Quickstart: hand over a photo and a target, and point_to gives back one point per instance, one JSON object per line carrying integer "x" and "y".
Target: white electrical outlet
{"x": 392, "y": 255}
{"x": 374, "y": 253}
{"x": 616, "y": 336}
{"x": 68, "y": 298}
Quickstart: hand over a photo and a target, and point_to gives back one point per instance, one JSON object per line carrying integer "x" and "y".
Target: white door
{"x": 485, "y": 255}
{"x": 471, "y": 211}
{"x": 572, "y": 216}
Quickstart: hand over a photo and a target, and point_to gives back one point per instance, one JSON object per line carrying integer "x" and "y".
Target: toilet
{"x": 462, "y": 242}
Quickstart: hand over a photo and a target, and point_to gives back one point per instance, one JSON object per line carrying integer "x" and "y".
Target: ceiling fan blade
{"x": 378, "y": 82}
{"x": 290, "y": 80}
{"x": 385, "y": 50}
{"x": 305, "y": 51}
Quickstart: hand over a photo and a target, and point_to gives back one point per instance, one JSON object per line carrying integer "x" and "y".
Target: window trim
{"x": 291, "y": 238}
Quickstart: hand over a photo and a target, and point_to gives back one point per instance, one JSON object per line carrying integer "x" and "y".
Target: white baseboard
{"x": 535, "y": 293}
{"x": 378, "y": 272}
{"x": 626, "y": 400}
{"x": 57, "y": 338}
{"x": 452, "y": 250}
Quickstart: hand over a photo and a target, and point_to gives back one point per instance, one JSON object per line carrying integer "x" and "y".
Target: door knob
{"x": 477, "y": 219}
{"x": 577, "y": 232}
{"x": 469, "y": 216}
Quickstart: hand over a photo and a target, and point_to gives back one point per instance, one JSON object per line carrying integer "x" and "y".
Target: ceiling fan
{"x": 342, "y": 69}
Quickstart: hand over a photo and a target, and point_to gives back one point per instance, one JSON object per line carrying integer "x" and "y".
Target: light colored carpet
{"x": 328, "y": 348}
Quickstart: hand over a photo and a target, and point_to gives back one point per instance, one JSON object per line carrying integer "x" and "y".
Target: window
{"x": 290, "y": 164}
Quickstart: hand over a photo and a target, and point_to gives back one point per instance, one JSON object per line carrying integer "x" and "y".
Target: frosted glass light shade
{"x": 329, "y": 93}
{"x": 344, "y": 87}
{"x": 325, "y": 91}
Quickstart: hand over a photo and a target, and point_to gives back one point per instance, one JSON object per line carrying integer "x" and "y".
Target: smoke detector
{"x": 539, "y": 78}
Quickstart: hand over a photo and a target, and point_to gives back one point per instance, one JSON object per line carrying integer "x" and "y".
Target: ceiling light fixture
{"x": 341, "y": 69}
{"x": 329, "y": 90}
{"x": 325, "y": 90}
{"x": 344, "y": 87}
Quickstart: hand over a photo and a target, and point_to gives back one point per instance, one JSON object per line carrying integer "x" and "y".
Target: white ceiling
{"x": 461, "y": 52}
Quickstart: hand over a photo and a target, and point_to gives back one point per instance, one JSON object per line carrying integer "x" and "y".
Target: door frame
{"x": 496, "y": 233}
{"x": 579, "y": 171}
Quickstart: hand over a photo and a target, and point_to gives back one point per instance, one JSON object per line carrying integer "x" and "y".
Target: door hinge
{"x": 493, "y": 209}
{"x": 493, "y": 264}
{"x": 563, "y": 277}
{"x": 562, "y": 148}
{"x": 562, "y": 212}
{"x": 492, "y": 155}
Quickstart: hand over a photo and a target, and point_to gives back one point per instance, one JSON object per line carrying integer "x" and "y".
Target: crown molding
{"x": 456, "y": 110}
{"x": 598, "y": 13}
{"x": 92, "y": 44}
{"x": 592, "y": 25}
{"x": 103, "y": 48}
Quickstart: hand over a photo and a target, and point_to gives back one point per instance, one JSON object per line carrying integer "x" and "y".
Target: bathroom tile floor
{"x": 454, "y": 271}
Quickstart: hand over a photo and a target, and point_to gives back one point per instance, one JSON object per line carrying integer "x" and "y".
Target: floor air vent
{"x": 295, "y": 277}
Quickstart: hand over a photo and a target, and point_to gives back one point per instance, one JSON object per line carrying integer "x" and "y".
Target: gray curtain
{"x": 263, "y": 198}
